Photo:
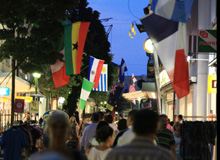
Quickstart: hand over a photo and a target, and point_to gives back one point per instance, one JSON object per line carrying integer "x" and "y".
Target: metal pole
{"x": 156, "y": 70}
{"x": 174, "y": 101}
{"x": 36, "y": 84}
{"x": 13, "y": 91}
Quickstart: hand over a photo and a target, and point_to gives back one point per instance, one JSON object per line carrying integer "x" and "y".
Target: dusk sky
{"x": 122, "y": 46}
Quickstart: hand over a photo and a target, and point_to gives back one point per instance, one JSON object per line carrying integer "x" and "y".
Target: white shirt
{"x": 127, "y": 137}
{"x": 177, "y": 140}
{"x": 113, "y": 127}
{"x": 87, "y": 135}
{"x": 96, "y": 154}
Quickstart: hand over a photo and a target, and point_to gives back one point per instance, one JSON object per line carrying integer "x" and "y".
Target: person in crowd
{"x": 177, "y": 138}
{"x": 180, "y": 118}
{"x": 109, "y": 120}
{"x": 93, "y": 141}
{"x": 169, "y": 126}
{"x": 165, "y": 137}
{"x": 41, "y": 121}
{"x": 122, "y": 124}
{"x": 101, "y": 116}
{"x": 89, "y": 131}
{"x": 57, "y": 128}
{"x": 105, "y": 137}
{"x": 122, "y": 127}
{"x": 175, "y": 119}
{"x": 27, "y": 116}
{"x": 74, "y": 126}
{"x": 128, "y": 135}
{"x": 145, "y": 125}
{"x": 76, "y": 115}
{"x": 84, "y": 121}
{"x": 73, "y": 138}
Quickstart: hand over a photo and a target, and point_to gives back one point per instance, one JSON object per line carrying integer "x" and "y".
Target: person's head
{"x": 175, "y": 118}
{"x": 73, "y": 120}
{"x": 57, "y": 128}
{"x": 168, "y": 120}
{"x": 122, "y": 124}
{"x": 101, "y": 124}
{"x": 130, "y": 118}
{"x": 163, "y": 121}
{"x": 146, "y": 123}
{"x": 109, "y": 118}
{"x": 105, "y": 135}
{"x": 101, "y": 116}
{"x": 95, "y": 117}
{"x": 41, "y": 121}
{"x": 180, "y": 117}
{"x": 176, "y": 126}
{"x": 76, "y": 113}
{"x": 28, "y": 113}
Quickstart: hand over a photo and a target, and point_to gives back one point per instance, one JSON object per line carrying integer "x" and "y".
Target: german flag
{"x": 74, "y": 41}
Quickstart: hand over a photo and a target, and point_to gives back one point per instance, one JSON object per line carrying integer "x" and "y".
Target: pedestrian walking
{"x": 105, "y": 137}
{"x": 109, "y": 119}
{"x": 165, "y": 137}
{"x": 177, "y": 138}
{"x": 128, "y": 135}
{"x": 89, "y": 131}
{"x": 169, "y": 126}
{"x": 145, "y": 126}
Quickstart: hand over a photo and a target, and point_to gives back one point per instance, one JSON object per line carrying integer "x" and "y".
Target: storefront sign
{"x": 212, "y": 84}
{"x": 19, "y": 106}
{"x": 164, "y": 78}
{"x": 4, "y": 91}
{"x": 26, "y": 99}
{"x": 207, "y": 41}
{"x": 34, "y": 107}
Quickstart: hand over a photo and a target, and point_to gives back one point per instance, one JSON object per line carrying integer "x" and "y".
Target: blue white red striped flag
{"x": 103, "y": 81}
{"x": 175, "y": 10}
{"x": 95, "y": 69}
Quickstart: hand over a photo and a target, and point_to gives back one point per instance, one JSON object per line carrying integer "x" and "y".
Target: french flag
{"x": 95, "y": 69}
{"x": 169, "y": 40}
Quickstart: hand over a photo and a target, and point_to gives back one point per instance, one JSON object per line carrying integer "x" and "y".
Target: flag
{"x": 176, "y": 10}
{"x": 169, "y": 41}
{"x": 113, "y": 98}
{"x": 103, "y": 81}
{"x": 74, "y": 41}
{"x": 133, "y": 78}
{"x": 85, "y": 92}
{"x": 132, "y": 88}
{"x": 95, "y": 69}
{"x": 123, "y": 69}
{"x": 59, "y": 73}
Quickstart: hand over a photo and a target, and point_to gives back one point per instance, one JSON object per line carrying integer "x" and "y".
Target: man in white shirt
{"x": 89, "y": 131}
{"x": 128, "y": 135}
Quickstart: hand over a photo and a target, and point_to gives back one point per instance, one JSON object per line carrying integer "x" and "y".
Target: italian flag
{"x": 85, "y": 92}
{"x": 74, "y": 41}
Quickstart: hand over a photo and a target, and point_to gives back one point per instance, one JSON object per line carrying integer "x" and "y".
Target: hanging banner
{"x": 212, "y": 84}
{"x": 34, "y": 107}
{"x": 207, "y": 41}
{"x": 26, "y": 99}
{"x": 19, "y": 106}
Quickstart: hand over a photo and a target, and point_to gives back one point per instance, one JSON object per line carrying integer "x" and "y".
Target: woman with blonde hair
{"x": 177, "y": 137}
{"x": 58, "y": 128}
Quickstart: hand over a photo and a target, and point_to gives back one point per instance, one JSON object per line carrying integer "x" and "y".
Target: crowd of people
{"x": 142, "y": 135}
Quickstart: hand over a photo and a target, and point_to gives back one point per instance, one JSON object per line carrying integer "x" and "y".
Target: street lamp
{"x": 139, "y": 100}
{"x": 148, "y": 46}
{"x": 36, "y": 76}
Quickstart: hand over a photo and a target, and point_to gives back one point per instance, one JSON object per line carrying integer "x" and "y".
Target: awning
{"x": 21, "y": 85}
{"x": 139, "y": 95}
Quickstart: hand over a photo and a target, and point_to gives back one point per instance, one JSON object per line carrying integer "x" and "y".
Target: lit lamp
{"x": 148, "y": 46}
{"x": 36, "y": 76}
{"x": 139, "y": 100}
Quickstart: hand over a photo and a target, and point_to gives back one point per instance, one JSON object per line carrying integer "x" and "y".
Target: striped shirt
{"x": 165, "y": 138}
{"x": 140, "y": 148}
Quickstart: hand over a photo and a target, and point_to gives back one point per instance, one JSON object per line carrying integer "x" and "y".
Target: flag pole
{"x": 157, "y": 80}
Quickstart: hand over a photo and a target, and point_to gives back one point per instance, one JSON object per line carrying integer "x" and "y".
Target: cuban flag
{"x": 103, "y": 81}
{"x": 95, "y": 69}
{"x": 176, "y": 10}
{"x": 169, "y": 40}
